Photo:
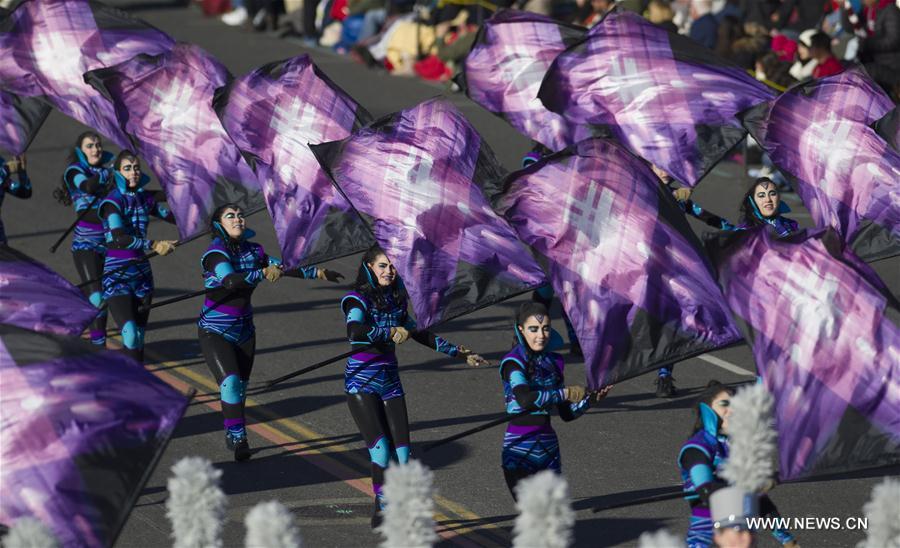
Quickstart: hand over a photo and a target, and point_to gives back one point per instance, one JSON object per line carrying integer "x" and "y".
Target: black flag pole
{"x": 152, "y": 254}
{"x": 315, "y": 366}
{"x": 480, "y": 428}
{"x": 78, "y": 219}
{"x": 177, "y": 299}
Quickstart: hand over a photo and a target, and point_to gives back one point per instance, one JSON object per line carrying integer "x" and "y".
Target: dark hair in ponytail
{"x": 367, "y": 285}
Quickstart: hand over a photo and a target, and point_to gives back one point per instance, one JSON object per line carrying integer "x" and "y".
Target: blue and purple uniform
{"x": 125, "y": 215}
{"x": 84, "y": 183}
{"x": 699, "y": 461}
{"x": 534, "y": 381}
{"x": 18, "y": 186}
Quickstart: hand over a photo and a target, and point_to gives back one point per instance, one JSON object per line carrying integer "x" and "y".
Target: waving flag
{"x": 843, "y": 170}
{"x": 504, "y": 70}
{"x": 20, "y": 120}
{"x": 272, "y": 114}
{"x": 827, "y": 343}
{"x": 34, "y": 297}
{"x": 622, "y": 258}
{"x": 164, "y": 103}
{"x": 419, "y": 174}
{"x": 667, "y": 98}
{"x": 47, "y": 45}
{"x": 82, "y": 430}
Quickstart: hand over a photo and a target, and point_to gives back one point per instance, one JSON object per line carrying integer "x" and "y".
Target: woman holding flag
{"x": 532, "y": 375}
{"x": 127, "y": 278}
{"x": 377, "y": 321}
{"x": 14, "y": 181}
{"x": 232, "y": 268}
{"x": 86, "y": 180}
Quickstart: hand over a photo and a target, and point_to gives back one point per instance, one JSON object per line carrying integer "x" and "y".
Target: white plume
{"x": 196, "y": 504}
{"x": 271, "y": 525}
{"x": 752, "y": 448}
{"x": 545, "y": 515}
{"x": 883, "y": 513}
{"x": 660, "y": 539}
{"x": 409, "y": 507}
{"x": 29, "y": 533}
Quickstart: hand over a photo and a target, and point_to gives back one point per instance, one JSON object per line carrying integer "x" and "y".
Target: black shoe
{"x": 240, "y": 446}
{"x": 665, "y": 387}
{"x": 575, "y": 349}
{"x": 377, "y": 516}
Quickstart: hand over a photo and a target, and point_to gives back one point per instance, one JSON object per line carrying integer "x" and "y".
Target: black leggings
{"x": 131, "y": 321}
{"x": 513, "y": 477}
{"x": 226, "y": 361}
{"x": 89, "y": 266}
{"x": 384, "y": 425}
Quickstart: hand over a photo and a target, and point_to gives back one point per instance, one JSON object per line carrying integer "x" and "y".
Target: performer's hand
{"x": 164, "y": 247}
{"x": 273, "y": 272}
{"x": 21, "y": 159}
{"x": 399, "y": 335}
{"x": 332, "y": 276}
{"x": 472, "y": 359}
{"x": 682, "y": 194}
{"x": 600, "y": 394}
{"x": 575, "y": 393}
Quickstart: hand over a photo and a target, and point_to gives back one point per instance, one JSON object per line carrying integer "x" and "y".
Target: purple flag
{"x": 851, "y": 94}
{"x": 504, "y": 70}
{"x": 164, "y": 103}
{"x": 419, "y": 175}
{"x": 272, "y": 114}
{"x": 20, "y": 120}
{"x": 34, "y": 297}
{"x": 82, "y": 430}
{"x": 827, "y": 343}
{"x": 843, "y": 170}
{"x": 622, "y": 258}
{"x": 667, "y": 98}
{"x": 47, "y": 45}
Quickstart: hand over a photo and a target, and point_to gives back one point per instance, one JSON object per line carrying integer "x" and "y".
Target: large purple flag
{"x": 20, "y": 120}
{"x": 667, "y": 98}
{"x": 419, "y": 175}
{"x": 273, "y": 114}
{"x": 826, "y": 338}
{"x": 622, "y": 258}
{"x": 164, "y": 103}
{"x": 819, "y": 134}
{"x": 504, "y": 70}
{"x": 82, "y": 430}
{"x": 34, "y": 297}
{"x": 47, "y": 45}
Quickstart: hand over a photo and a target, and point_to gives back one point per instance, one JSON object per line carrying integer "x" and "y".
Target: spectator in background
{"x": 804, "y": 65}
{"x": 593, "y": 11}
{"x": 660, "y": 13}
{"x": 704, "y": 28}
{"x": 809, "y": 13}
{"x": 751, "y": 45}
{"x": 820, "y": 50}
{"x": 237, "y": 16}
{"x": 770, "y": 68}
{"x": 880, "y": 49}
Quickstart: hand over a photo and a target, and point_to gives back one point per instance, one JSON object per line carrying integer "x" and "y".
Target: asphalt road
{"x": 308, "y": 454}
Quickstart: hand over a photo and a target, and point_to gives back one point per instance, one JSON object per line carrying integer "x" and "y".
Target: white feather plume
{"x": 29, "y": 532}
{"x": 271, "y": 525}
{"x": 545, "y": 516}
{"x": 196, "y": 504}
{"x": 409, "y": 507}
{"x": 883, "y": 513}
{"x": 752, "y": 448}
{"x": 660, "y": 539}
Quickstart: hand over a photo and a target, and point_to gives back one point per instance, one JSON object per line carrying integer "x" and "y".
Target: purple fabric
{"x": 20, "y": 120}
{"x": 504, "y": 70}
{"x": 164, "y": 103}
{"x": 622, "y": 258}
{"x": 827, "y": 344}
{"x": 417, "y": 174}
{"x": 844, "y": 171}
{"x": 47, "y": 45}
{"x": 82, "y": 429}
{"x": 668, "y": 99}
{"x": 34, "y": 297}
{"x": 272, "y": 114}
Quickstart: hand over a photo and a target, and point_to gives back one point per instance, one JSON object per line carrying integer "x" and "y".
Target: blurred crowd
{"x": 781, "y": 41}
